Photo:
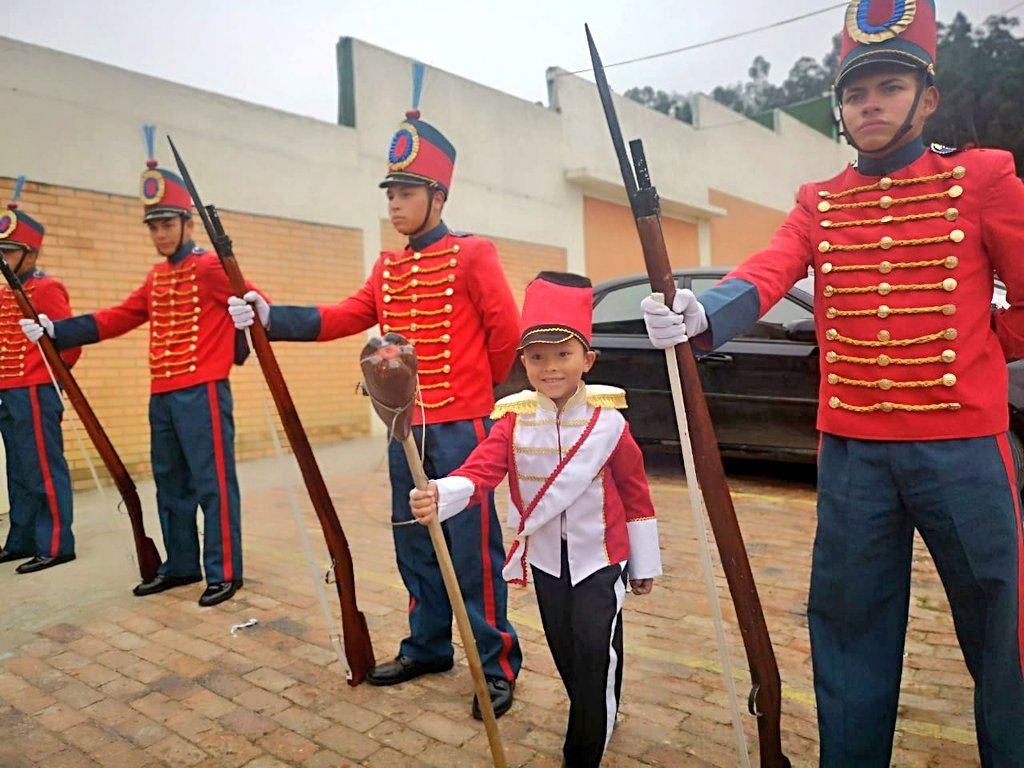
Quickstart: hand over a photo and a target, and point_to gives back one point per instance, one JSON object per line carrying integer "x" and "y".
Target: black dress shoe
{"x": 219, "y": 592}
{"x": 403, "y": 668}
{"x": 6, "y": 556}
{"x": 502, "y": 692}
{"x": 162, "y": 583}
{"x": 39, "y": 563}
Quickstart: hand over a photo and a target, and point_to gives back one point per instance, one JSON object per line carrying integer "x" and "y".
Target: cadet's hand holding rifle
{"x": 34, "y": 331}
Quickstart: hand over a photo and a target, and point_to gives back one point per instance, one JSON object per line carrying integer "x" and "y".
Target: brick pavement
{"x": 92, "y": 676}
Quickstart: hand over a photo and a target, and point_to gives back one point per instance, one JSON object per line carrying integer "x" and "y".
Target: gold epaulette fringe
{"x": 603, "y": 396}
{"x": 520, "y": 402}
{"x": 525, "y": 402}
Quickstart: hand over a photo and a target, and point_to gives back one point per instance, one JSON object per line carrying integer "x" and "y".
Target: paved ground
{"x": 90, "y": 675}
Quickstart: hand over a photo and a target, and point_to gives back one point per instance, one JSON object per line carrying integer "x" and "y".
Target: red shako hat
{"x": 163, "y": 193}
{"x": 558, "y": 307}
{"x": 892, "y": 31}
{"x": 17, "y": 228}
{"x": 419, "y": 153}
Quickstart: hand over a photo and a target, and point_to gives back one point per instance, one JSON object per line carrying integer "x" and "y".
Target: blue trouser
{"x": 193, "y": 453}
{"x": 38, "y": 483}
{"x": 961, "y": 496}
{"x": 474, "y": 539}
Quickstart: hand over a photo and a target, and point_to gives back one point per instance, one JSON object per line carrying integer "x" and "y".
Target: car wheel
{"x": 1017, "y": 451}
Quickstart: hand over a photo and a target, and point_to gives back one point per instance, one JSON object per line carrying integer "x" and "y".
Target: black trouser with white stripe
{"x": 583, "y": 626}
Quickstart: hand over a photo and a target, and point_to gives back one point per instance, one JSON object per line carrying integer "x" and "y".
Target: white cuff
{"x": 453, "y": 495}
{"x": 644, "y": 552}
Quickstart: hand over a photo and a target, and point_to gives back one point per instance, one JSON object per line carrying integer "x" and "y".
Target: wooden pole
{"x": 451, "y": 584}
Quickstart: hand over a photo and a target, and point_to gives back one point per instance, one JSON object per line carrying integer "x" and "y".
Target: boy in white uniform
{"x": 580, "y": 504}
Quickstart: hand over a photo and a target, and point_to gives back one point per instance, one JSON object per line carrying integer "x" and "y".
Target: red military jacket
{"x": 452, "y": 302}
{"x": 910, "y": 348}
{"x": 21, "y": 362}
{"x": 192, "y": 339}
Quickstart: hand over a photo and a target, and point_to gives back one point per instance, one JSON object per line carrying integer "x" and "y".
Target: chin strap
{"x": 903, "y": 129}
{"x": 430, "y": 209}
{"x": 181, "y": 236}
{"x": 21, "y": 261}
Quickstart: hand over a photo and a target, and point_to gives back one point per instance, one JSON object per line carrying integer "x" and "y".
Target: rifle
{"x": 765, "y": 700}
{"x": 358, "y": 649}
{"x": 145, "y": 550}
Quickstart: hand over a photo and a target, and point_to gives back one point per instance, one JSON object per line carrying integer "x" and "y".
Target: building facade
{"x": 299, "y": 198}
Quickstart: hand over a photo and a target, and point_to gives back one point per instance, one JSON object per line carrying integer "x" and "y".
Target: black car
{"x": 761, "y": 387}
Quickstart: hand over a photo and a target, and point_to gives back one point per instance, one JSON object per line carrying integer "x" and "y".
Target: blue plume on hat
{"x": 19, "y": 185}
{"x": 418, "y": 69}
{"x": 149, "y": 136}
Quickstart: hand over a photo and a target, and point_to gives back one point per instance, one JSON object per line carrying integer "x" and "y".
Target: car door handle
{"x": 715, "y": 358}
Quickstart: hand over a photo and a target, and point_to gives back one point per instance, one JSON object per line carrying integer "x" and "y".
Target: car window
{"x": 618, "y": 310}
{"x": 773, "y": 324}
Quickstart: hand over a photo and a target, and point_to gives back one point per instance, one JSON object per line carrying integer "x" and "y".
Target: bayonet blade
{"x": 613, "y": 121}
{"x": 193, "y": 193}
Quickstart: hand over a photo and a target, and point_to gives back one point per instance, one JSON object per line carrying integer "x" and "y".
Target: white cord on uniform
{"x": 333, "y": 631}
{"x": 699, "y": 515}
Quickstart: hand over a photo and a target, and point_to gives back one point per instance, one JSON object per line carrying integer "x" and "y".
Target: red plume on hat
{"x": 558, "y": 306}
{"x": 899, "y": 32}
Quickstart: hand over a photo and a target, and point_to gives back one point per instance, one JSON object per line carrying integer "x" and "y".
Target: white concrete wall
{"x": 521, "y": 173}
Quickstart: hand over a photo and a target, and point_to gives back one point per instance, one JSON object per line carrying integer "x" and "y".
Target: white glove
{"x": 242, "y": 313}
{"x": 665, "y": 327}
{"x": 34, "y": 330}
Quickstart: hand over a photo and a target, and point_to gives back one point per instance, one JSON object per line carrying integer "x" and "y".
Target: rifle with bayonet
{"x": 358, "y": 649}
{"x": 145, "y": 550}
{"x": 765, "y": 700}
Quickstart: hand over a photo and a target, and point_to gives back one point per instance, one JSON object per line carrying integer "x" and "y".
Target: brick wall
{"x": 97, "y": 245}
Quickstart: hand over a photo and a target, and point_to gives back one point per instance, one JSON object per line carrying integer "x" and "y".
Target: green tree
{"x": 979, "y": 74}
{"x": 672, "y": 104}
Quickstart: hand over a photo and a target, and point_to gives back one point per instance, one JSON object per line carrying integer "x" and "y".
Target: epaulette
{"x": 198, "y": 250}
{"x": 942, "y": 149}
{"x": 456, "y": 233}
{"x": 598, "y": 396}
{"x": 520, "y": 402}
{"x": 603, "y": 396}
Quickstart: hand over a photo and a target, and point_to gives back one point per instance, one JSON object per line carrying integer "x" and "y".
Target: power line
{"x": 1015, "y": 5}
{"x": 727, "y": 37}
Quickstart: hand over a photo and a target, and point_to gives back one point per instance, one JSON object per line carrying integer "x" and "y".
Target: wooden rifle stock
{"x": 765, "y": 700}
{"x": 145, "y": 550}
{"x": 358, "y": 648}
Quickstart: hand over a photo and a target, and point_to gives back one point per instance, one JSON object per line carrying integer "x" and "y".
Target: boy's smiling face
{"x": 555, "y": 370}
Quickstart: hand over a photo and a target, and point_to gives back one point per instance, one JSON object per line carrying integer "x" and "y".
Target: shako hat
{"x": 558, "y": 307}
{"x": 419, "y": 153}
{"x": 162, "y": 193}
{"x": 899, "y": 32}
{"x": 17, "y": 228}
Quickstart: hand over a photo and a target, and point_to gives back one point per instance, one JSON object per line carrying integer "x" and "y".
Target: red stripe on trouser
{"x": 222, "y": 483}
{"x": 488, "y": 569}
{"x": 1007, "y": 456}
{"x": 44, "y": 467}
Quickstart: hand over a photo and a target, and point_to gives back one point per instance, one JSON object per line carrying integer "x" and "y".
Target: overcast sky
{"x": 282, "y": 54}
